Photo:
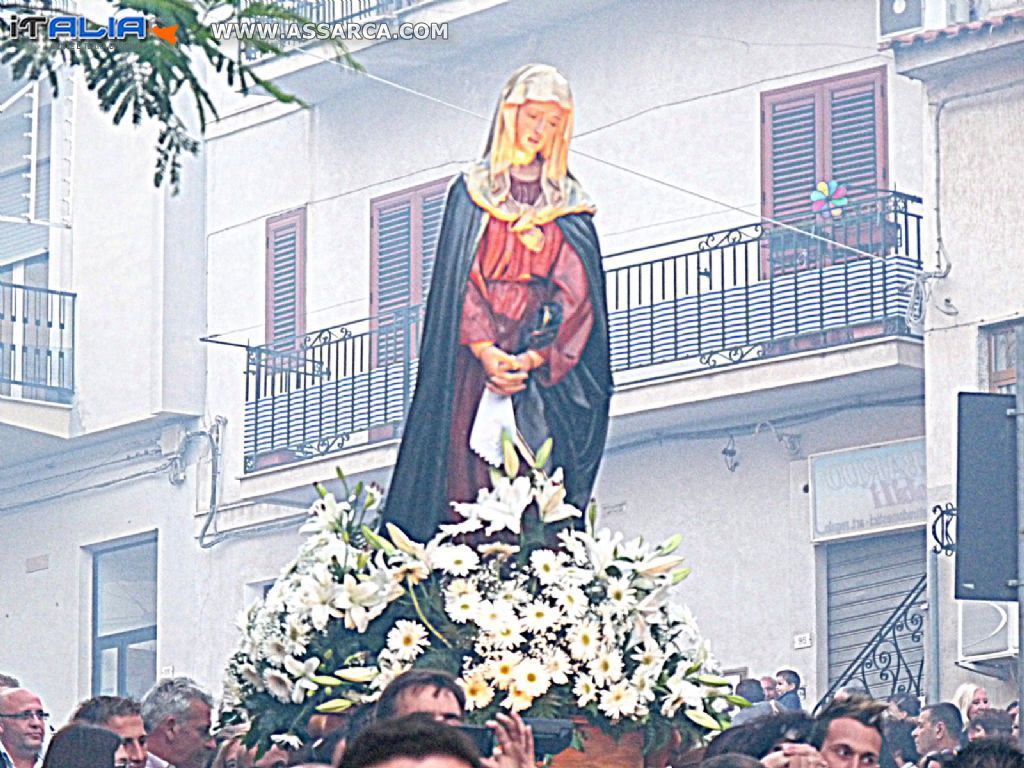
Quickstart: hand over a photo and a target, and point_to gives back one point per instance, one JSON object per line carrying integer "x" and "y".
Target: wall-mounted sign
{"x": 868, "y": 490}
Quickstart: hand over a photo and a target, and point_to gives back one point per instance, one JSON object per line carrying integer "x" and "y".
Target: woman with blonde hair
{"x": 516, "y": 309}
{"x": 969, "y": 699}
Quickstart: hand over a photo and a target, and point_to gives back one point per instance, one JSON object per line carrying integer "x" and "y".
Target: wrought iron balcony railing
{"x": 37, "y": 343}
{"x": 733, "y": 295}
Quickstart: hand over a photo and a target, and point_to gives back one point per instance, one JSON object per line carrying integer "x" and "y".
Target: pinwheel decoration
{"x": 829, "y": 197}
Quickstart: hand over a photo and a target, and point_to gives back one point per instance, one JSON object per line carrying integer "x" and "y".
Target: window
{"x": 403, "y": 239}
{"x": 829, "y": 129}
{"x": 286, "y": 278}
{"x": 25, "y": 130}
{"x": 1002, "y": 360}
{"x": 124, "y": 618}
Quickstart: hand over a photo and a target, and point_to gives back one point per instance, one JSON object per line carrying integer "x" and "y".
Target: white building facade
{"x": 770, "y": 391}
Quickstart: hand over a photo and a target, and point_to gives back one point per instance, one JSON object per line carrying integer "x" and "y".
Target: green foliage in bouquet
{"x": 533, "y": 616}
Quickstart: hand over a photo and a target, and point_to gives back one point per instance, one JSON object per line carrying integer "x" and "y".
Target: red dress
{"x": 506, "y": 286}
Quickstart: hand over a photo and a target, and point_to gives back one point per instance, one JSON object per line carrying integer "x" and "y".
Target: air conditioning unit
{"x": 988, "y": 631}
{"x": 897, "y": 17}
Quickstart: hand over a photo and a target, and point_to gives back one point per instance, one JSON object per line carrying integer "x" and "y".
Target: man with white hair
{"x": 176, "y": 713}
{"x": 22, "y": 728}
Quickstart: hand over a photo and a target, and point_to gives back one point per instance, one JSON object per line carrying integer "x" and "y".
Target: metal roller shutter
{"x": 868, "y": 578}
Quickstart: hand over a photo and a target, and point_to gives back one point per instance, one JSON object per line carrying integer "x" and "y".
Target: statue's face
{"x": 537, "y": 124}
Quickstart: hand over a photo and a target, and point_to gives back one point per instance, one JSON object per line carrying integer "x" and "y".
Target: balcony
{"x": 37, "y": 343}
{"x": 747, "y": 293}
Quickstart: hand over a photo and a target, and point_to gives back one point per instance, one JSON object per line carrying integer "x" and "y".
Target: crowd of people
{"x": 411, "y": 726}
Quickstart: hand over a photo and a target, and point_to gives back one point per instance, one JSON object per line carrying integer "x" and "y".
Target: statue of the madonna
{"x": 516, "y": 315}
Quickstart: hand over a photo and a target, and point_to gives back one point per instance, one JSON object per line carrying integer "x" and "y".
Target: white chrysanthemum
{"x": 558, "y": 665}
{"x": 619, "y": 701}
{"x": 501, "y": 669}
{"x": 478, "y": 693}
{"x": 507, "y": 635}
{"x": 644, "y": 684}
{"x": 574, "y": 542}
{"x": 517, "y": 699}
{"x": 607, "y": 667}
{"x": 407, "y": 639}
{"x": 572, "y": 601}
{"x": 251, "y": 675}
{"x": 584, "y": 641}
{"x": 512, "y": 593}
{"x": 585, "y": 691}
{"x": 274, "y": 651}
{"x": 531, "y": 677}
{"x": 456, "y": 559}
{"x": 462, "y": 608}
{"x": 621, "y": 596}
{"x": 279, "y": 685}
{"x": 460, "y": 588}
{"x": 490, "y": 616}
{"x": 538, "y": 616}
{"x": 547, "y": 565}
{"x": 649, "y": 655}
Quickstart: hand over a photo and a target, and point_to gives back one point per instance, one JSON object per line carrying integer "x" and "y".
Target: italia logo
{"x": 78, "y": 28}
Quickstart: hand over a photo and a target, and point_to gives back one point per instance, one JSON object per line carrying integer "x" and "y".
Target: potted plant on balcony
{"x": 533, "y": 616}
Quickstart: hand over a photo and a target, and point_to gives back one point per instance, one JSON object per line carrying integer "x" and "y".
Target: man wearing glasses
{"x": 22, "y": 728}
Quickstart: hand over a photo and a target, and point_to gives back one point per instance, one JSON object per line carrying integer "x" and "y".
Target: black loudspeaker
{"x": 986, "y": 497}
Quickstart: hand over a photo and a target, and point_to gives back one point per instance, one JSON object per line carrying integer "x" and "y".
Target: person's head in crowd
{"x": 7, "y": 681}
{"x": 904, "y": 705}
{"x": 849, "y": 733}
{"x": 787, "y": 683}
{"x": 771, "y": 692}
{"x": 988, "y": 753}
{"x": 786, "y": 680}
{"x": 432, "y": 691}
{"x": 758, "y": 738}
{"x": 731, "y": 760}
{"x": 852, "y": 688}
{"x": 992, "y": 723}
{"x": 411, "y": 741}
{"x": 1013, "y": 710}
{"x": 84, "y": 745}
{"x": 22, "y": 725}
{"x": 969, "y": 698}
{"x": 123, "y": 717}
{"x": 938, "y": 760}
{"x": 938, "y": 728}
{"x": 898, "y": 748}
{"x": 176, "y": 713}
{"x": 750, "y": 689}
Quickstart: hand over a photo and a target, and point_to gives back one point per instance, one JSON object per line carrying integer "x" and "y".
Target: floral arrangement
{"x": 532, "y": 614}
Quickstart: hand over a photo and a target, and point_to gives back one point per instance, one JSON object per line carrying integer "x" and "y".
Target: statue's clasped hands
{"x": 507, "y": 374}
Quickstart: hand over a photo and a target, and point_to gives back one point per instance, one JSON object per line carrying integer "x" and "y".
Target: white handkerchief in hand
{"x": 494, "y": 416}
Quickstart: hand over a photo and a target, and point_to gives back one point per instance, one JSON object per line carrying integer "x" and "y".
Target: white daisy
{"x": 585, "y": 691}
{"x": 501, "y": 669}
{"x": 607, "y": 667}
{"x": 572, "y": 601}
{"x": 584, "y": 641}
{"x": 619, "y": 701}
{"x": 531, "y": 677}
{"x": 538, "y": 616}
{"x": 407, "y": 639}
{"x": 478, "y": 693}
{"x": 621, "y": 596}
{"x": 456, "y": 559}
{"x": 547, "y": 565}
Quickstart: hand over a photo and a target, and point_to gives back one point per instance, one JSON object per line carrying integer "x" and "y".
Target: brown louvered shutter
{"x": 286, "y": 278}
{"x": 404, "y": 232}
{"x": 857, "y": 138}
{"x": 829, "y": 129}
